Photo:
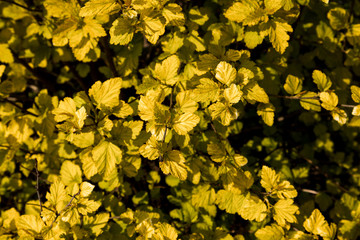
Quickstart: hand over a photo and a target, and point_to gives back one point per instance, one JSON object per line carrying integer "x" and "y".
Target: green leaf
{"x": 122, "y": 31}
{"x": 70, "y": 173}
{"x": 106, "y": 155}
{"x": 293, "y": 85}
{"x": 285, "y": 212}
{"x": 225, "y": 73}
{"x": 99, "y": 7}
{"x": 174, "y": 164}
{"x": 322, "y": 81}
{"x": 173, "y": 14}
{"x": 106, "y": 95}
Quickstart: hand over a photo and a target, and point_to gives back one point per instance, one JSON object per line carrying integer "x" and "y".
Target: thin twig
{"x": 67, "y": 206}
{"x": 310, "y": 191}
{"x": 294, "y": 97}
{"x": 109, "y": 56}
{"x": 18, "y": 106}
{"x": 37, "y": 188}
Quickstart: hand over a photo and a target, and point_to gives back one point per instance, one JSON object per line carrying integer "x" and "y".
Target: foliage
{"x": 167, "y": 119}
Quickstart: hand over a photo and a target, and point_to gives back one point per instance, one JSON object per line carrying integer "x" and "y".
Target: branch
{"x": 109, "y": 56}
{"x": 22, "y": 6}
{"x": 18, "y": 106}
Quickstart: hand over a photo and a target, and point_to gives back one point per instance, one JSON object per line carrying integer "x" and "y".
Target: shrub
{"x": 169, "y": 119}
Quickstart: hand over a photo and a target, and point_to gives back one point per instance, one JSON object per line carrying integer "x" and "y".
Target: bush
{"x": 169, "y": 119}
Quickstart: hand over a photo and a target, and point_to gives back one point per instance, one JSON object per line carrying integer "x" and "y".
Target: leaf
{"x": 273, "y": 5}
{"x": 106, "y": 155}
{"x": 83, "y": 139}
{"x": 225, "y": 113}
{"x": 85, "y": 206}
{"x": 355, "y": 93}
{"x": 293, "y": 85}
{"x": 6, "y": 55}
{"x": 247, "y": 12}
{"x": 267, "y": 113}
{"x": 167, "y": 71}
{"x": 173, "y": 15}
{"x": 79, "y": 117}
{"x": 150, "y": 150}
{"x": 229, "y": 201}
{"x": 272, "y": 232}
{"x": 185, "y": 103}
{"x": 65, "y": 110}
{"x": 96, "y": 223}
{"x": 203, "y": 196}
{"x": 207, "y": 90}
{"x": 285, "y": 212}
{"x": 106, "y": 95}
{"x": 356, "y": 111}
{"x": 225, "y": 73}
{"x": 165, "y": 231}
{"x": 253, "y": 208}
{"x": 232, "y": 94}
{"x": 70, "y": 173}
{"x": 30, "y": 226}
{"x": 174, "y": 164}
{"x": 329, "y": 100}
{"x": 256, "y": 93}
{"x": 185, "y": 123}
{"x": 99, "y": 7}
{"x": 57, "y": 195}
{"x": 277, "y": 29}
{"x": 310, "y": 104}
{"x": 86, "y": 189}
{"x": 338, "y": 18}
{"x": 316, "y": 223}
{"x": 269, "y": 179}
{"x": 122, "y": 31}
{"x": 153, "y": 24}
{"x": 339, "y": 115}
{"x": 322, "y": 81}
{"x": 88, "y": 163}
{"x": 217, "y": 152}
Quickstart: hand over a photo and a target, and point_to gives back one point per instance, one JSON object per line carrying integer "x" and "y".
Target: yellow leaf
{"x": 167, "y": 71}
{"x": 322, "y": 81}
{"x": 88, "y": 163}
{"x": 329, "y": 100}
{"x": 253, "y": 208}
{"x": 30, "y": 226}
{"x": 285, "y": 190}
{"x": 83, "y": 139}
{"x": 267, "y": 113}
{"x": 166, "y": 231}
{"x": 232, "y": 94}
{"x": 86, "y": 189}
{"x": 273, "y": 232}
{"x": 174, "y": 164}
{"x": 106, "y": 95}
{"x": 57, "y": 195}
{"x": 79, "y": 117}
{"x": 106, "y": 155}
{"x": 285, "y": 212}
{"x": 338, "y": 18}
{"x": 70, "y": 173}
{"x": 225, "y": 113}
{"x": 225, "y": 73}
{"x": 207, "y": 90}
{"x": 99, "y": 7}
{"x": 247, "y": 12}
{"x": 217, "y": 152}
{"x": 310, "y": 104}
{"x": 173, "y": 15}
{"x": 273, "y": 5}
{"x": 269, "y": 179}
{"x": 316, "y": 223}
{"x": 185, "y": 123}
{"x": 185, "y": 103}
{"x": 278, "y": 34}
{"x": 339, "y": 115}
{"x": 6, "y": 55}
{"x": 256, "y": 93}
{"x": 293, "y": 85}
{"x": 65, "y": 110}
{"x": 355, "y": 93}
{"x": 153, "y": 24}
{"x": 150, "y": 150}
{"x": 203, "y": 196}
{"x": 240, "y": 160}
{"x": 229, "y": 201}
{"x": 356, "y": 110}
{"x": 122, "y": 31}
